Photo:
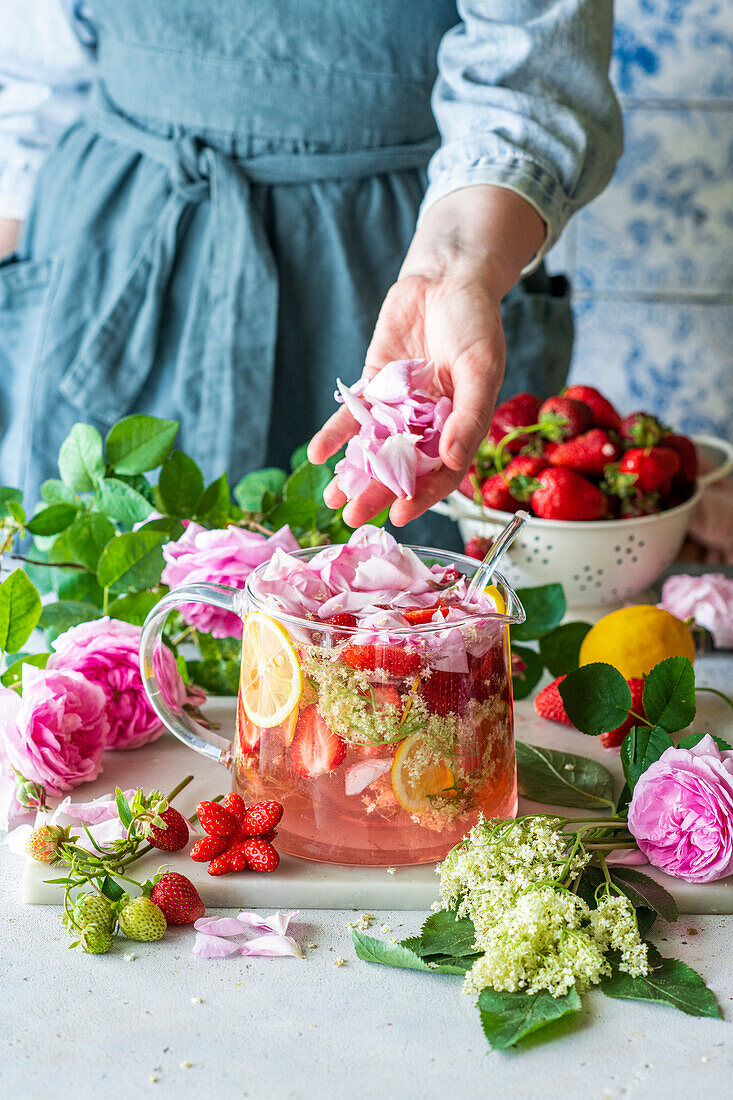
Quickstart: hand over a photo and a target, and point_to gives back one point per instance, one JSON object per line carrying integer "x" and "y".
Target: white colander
{"x": 600, "y": 563}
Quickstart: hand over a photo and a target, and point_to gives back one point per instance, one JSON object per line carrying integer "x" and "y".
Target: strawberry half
{"x": 367, "y": 658}
{"x": 315, "y": 749}
{"x": 446, "y": 692}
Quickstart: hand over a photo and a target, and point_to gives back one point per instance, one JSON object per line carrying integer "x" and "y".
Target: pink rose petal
{"x": 213, "y": 947}
{"x": 219, "y": 926}
{"x": 360, "y": 776}
{"x": 277, "y": 923}
{"x": 272, "y": 946}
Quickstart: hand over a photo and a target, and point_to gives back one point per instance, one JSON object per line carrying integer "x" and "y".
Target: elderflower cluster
{"x": 510, "y": 878}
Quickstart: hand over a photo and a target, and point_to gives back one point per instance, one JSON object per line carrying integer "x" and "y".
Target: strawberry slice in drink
{"x": 447, "y": 692}
{"x": 424, "y": 614}
{"x": 248, "y": 734}
{"x": 315, "y": 749}
{"x": 393, "y": 659}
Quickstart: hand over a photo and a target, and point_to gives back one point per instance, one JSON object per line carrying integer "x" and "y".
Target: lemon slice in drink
{"x": 271, "y": 682}
{"x": 494, "y": 594}
{"x": 419, "y": 774}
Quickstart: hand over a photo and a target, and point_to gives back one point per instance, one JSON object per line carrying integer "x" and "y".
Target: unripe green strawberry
{"x": 41, "y": 845}
{"x": 96, "y": 940}
{"x": 92, "y": 909}
{"x": 141, "y": 919}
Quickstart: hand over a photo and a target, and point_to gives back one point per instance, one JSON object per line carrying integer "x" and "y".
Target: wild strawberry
{"x": 41, "y": 845}
{"x": 215, "y": 820}
{"x": 446, "y": 692}
{"x": 261, "y": 818}
{"x": 315, "y": 749}
{"x": 397, "y": 660}
{"x": 261, "y": 856}
{"x": 652, "y": 467}
{"x": 642, "y": 429}
{"x": 92, "y": 909}
{"x": 209, "y": 847}
{"x": 588, "y": 453}
{"x": 549, "y": 705}
{"x": 178, "y": 899}
{"x": 248, "y": 734}
{"x": 95, "y": 940}
{"x": 220, "y": 865}
{"x": 141, "y": 919}
{"x": 172, "y": 836}
{"x": 478, "y": 547}
{"x": 604, "y": 414}
{"x": 613, "y": 738}
{"x": 564, "y": 418}
{"x": 687, "y": 453}
{"x": 565, "y": 495}
{"x": 518, "y": 412}
{"x": 235, "y": 804}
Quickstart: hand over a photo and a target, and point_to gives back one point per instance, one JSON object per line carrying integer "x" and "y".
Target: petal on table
{"x": 213, "y": 947}
{"x": 219, "y": 926}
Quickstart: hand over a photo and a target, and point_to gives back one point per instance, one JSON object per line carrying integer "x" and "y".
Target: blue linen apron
{"x": 212, "y": 240}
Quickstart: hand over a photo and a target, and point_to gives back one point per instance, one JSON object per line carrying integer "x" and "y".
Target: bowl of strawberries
{"x": 610, "y": 497}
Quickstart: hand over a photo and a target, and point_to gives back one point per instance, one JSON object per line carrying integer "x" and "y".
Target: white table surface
{"x": 74, "y": 1025}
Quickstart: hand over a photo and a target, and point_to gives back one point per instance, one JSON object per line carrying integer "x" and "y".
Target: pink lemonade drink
{"x": 374, "y": 703}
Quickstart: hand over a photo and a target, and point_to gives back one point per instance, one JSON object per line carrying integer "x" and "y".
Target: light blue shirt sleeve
{"x": 46, "y": 66}
{"x": 523, "y": 101}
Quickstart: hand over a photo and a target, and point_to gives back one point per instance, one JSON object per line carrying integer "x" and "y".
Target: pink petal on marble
{"x": 272, "y": 946}
{"x": 219, "y": 926}
{"x": 213, "y": 947}
{"x": 277, "y": 923}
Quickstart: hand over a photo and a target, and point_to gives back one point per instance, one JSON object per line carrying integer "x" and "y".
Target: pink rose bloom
{"x": 681, "y": 813}
{"x": 56, "y": 732}
{"x": 400, "y": 423}
{"x": 223, "y": 556}
{"x": 106, "y": 652}
{"x": 707, "y": 599}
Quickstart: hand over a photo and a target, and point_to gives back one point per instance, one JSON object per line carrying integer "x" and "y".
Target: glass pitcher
{"x": 378, "y": 755}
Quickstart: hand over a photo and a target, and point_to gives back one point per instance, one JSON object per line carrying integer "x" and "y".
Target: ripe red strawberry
{"x": 604, "y": 414}
{"x": 367, "y": 658}
{"x": 209, "y": 847}
{"x": 467, "y": 486}
{"x": 588, "y": 453}
{"x": 220, "y": 865}
{"x": 638, "y": 504}
{"x": 262, "y": 818}
{"x": 247, "y": 733}
{"x": 315, "y": 748}
{"x": 613, "y": 738}
{"x": 549, "y": 705}
{"x": 687, "y": 453}
{"x": 235, "y": 804}
{"x": 260, "y": 855}
{"x": 548, "y": 450}
{"x": 41, "y": 845}
{"x": 524, "y": 466}
{"x": 478, "y": 547}
{"x": 236, "y": 857}
{"x": 341, "y": 618}
{"x": 518, "y": 412}
{"x": 652, "y": 467}
{"x": 178, "y": 898}
{"x": 563, "y": 494}
{"x": 496, "y": 493}
{"x": 175, "y": 834}
{"x": 564, "y": 418}
{"x": 215, "y": 820}
{"x": 642, "y": 429}
{"x": 446, "y": 692}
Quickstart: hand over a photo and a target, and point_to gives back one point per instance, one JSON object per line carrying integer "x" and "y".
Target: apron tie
{"x": 118, "y": 352}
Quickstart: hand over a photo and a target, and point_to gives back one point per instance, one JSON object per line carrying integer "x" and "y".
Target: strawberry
{"x": 564, "y": 418}
{"x": 613, "y": 738}
{"x": 687, "y": 453}
{"x": 41, "y": 845}
{"x": 220, "y": 865}
{"x": 588, "y": 453}
{"x": 548, "y": 450}
{"x": 178, "y": 898}
{"x": 247, "y": 733}
{"x": 141, "y": 919}
{"x": 236, "y": 857}
{"x": 651, "y": 467}
{"x": 172, "y": 836}
{"x": 424, "y": 614}
{"x": 446, "y": 692}
{"x": 642, "y": 429}
{"x": 215, "y": 820}
{"x": 495, "y": 493}
{"x": 549, "y": 705}
{"x": 209, "y": 847}
{"x": 341, "y": 618}
{"x": 604, "y": 414}
{"x": 261, "y": 818}
{"x": 518, "y": 412}
{"x": 95, "y": 940}
{"x": 93, "y": 909}
{"x": 565, "y": 495}
{"x": 235, "y": 804}
{"x": 468, "y": 484}
{"x": 397, "y": 660}
{"x": 260, "y": 855}
{"x": 524, "y": 466}
{"x": 638, "y": 504}
{"x": 315, "y": 748}
{"x": 478, "y": 547}
{"x": 450, "y": 575}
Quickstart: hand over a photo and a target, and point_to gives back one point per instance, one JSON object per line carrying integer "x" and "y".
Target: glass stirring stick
{"x": 485, "y": 571}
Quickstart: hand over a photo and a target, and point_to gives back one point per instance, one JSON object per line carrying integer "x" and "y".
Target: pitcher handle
{"x": 181, "y": 724}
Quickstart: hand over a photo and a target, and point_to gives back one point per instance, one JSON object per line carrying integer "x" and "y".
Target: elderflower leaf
{"x": 443, "y": 933}
{"x": 396, "y": 954}
{"x": 669, "y": 982}
{"x": 508, "y": 1017}
{"x": 669, "y": 694}
{"x": 596, "y": 698}
{"x": 562, "y": 778}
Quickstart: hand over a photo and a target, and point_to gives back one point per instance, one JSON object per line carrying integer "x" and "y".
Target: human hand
{"x": 9, "y": 233}
{"x": 445, "y": 308}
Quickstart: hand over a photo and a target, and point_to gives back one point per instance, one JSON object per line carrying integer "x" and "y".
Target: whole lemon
{"x": 635, "y": 639}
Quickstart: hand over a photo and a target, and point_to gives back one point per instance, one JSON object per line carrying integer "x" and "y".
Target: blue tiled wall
{"x": 651, "y": 260}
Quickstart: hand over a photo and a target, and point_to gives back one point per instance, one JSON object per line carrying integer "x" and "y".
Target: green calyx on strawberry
{"x": 647, "y": 470}
{"x": 641, "y": 429}
{"x": 563, "y": 418}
